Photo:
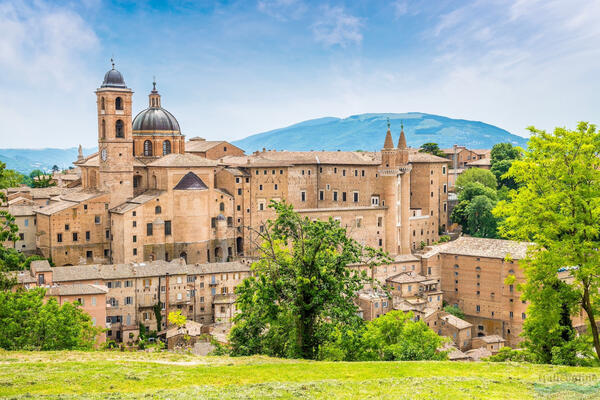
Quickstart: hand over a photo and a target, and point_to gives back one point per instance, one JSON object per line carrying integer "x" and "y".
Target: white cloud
{"x": 400, "y": 8}
{"x": 282, "y": 9}
{"x": 43, "y": 52}
{"x": 336, "y": 27}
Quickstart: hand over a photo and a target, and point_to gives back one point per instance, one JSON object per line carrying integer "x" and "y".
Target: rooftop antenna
{"x": 112, "y": 61}
{"x": 154, "y": 83}
{"x": 388, "y": 123}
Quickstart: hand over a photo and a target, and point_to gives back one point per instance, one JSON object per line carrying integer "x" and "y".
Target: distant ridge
{"x": 366, "y": 132}
{"x": 26, "y": 160}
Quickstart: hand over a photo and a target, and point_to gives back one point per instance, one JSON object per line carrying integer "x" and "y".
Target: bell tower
{"x": 395, "y": 176}
{"x": 115, "y": 139}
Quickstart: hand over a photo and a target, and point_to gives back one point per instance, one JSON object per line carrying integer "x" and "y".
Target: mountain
{"x": 367, "y": 132}
{"x": 26, "y": 160}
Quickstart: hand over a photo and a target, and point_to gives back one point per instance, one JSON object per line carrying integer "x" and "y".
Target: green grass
{"x": 107, "y": 375}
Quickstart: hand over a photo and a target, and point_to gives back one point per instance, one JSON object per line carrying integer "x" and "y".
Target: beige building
{"x": 150, "y": 195}
{"x": 473, "y": 272}
{"x": 458, "y": 330}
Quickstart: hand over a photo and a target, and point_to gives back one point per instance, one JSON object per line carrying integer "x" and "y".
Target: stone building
{"x": 138, "y": 293}
{"x": 150, "y": 195}
{"x": 473, "y": 273}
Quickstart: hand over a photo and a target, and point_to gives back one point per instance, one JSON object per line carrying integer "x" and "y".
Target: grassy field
{"x": 111, "y": 375}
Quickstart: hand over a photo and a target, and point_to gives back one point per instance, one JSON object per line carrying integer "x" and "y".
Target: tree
{"x": 483, "y": 176}
{"x": 9, "y": 177}
{"x": 454, "y": 310}
{"x": 27, "y": 322}
{"x": 557, "y": 206}
{"x": 40, "y": 179}
{"x": 301, "y": 294}
{"x": 431, "y": 148}
{"x": 480, "y": 220}
{"x": 505, "y": 151}
{"x": 176, "y": 318}
{"x": 55, "y": 168}
{"x": 473, "y": 189}
{"x": 396, "y": 337}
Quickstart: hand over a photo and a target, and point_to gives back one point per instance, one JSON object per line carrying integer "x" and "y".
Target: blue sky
{"x": 234, "y": 68}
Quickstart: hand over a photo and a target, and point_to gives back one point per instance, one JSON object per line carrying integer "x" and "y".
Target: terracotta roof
{"x": 76, "y": 289}
{"x": 199, "y": 145}
{"x": 478, "y": 354}
{"x": 182, "y": 160}
{"x": 485, "y": 152}
{"x": 69, "y": 200}
{"x": 190, "y": 181}
{"x": 418, "y": 157}
{"x": 137, "y": 201}
{"x": 492, "y": 339}
{"x": 480, "y": 247}
{"x": 21, "y": 210}
{"x": 456, "y": 322}
{"x": 287, "y": 158}
{"x": 55, "y": 207}
{"x": 482, "y": 161}
{"x": 406, "y": 277}
{"x": 137, "y": 270}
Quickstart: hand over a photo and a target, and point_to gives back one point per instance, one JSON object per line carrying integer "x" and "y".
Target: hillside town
{"x": 154, "y": 223}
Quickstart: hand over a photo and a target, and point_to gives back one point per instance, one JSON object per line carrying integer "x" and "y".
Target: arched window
{"x": 102, "y": 107}
{"x": 119, "y": 129}
{"x": 166, "y": 147}
{"x": 157, "y": 210}
{"x": 103, "y": 129}
{"x": 118, "y": 103}
{"x": 147, "y": 148}
{"x": 222, "y": 206}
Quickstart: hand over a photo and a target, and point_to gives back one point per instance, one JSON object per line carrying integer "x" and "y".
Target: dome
{"x": 155, "y": 119}
{"x": 113, "y": 78}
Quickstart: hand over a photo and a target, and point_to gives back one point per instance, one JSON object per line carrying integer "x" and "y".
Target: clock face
{"x": 103, "y": 154}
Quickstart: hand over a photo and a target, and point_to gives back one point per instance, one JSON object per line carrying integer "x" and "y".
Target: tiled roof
{"x": 480, "y": 247}
{"x": 69, "y": 200}
{"x": 482, "y": 161}
{"x": 418, "y": 157}
{"x": 197, "y": 145}
{"x": 492, "y": 339}
{"x": 406, "y": 277}
{"x": 137, "y": 270}
{"x": 456, "y": 322}
{"x": 76, "y": 289}
{"x": 137, "y": 201}
{"x": 182, "y": 160}
{"x": 190, "y": 181}
{"x": 55, "y": 207}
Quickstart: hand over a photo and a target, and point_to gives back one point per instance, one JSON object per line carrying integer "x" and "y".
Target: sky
{"x": 230, "y": 69}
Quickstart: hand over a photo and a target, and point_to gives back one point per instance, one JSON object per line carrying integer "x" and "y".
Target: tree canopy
{"x": 301, "y": 290}
{"x": 557, "y": 206}
{"x": 431, "y": 148}
{"x": 483, "y": 176}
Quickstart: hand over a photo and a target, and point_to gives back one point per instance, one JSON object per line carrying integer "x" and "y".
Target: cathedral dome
{"x": 155, "y": 119}
{"x": 113, "y": 78}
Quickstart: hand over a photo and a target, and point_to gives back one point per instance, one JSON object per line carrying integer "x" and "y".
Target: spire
{"x": 389, "y": 143}
{"x": 154, "y": 97}
{"x": 402, "y": 140}
{"x": 112, "y": 61}
{"x": 80, "y": 154}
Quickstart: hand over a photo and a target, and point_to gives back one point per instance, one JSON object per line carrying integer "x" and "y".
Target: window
{"x": 147, "y": 283}
{"x": 280, "y": 172}
{"x": 261, "y": 206}
{"x": 523, "y": 315}
{"x": 335, "y": 196}
{"x": 445, "y": 188}
{"x": 134, "y": 224}
{"x": 134, "y": 239}
{"x": 362, "y": 173}
{"x": 374, "y": 200}
{"x": 97, "y": 220}
{"x": 167, "y": 228}
{"x": 147, "y": 148}
{"x": 89, "y": 254}
{"x": 511, "y": 314}
{"x": 149, "y": 229}
{"x": 355, "y": 197}
{"x": 478, "y": 308}
{"x": 118, "y": 103}
{"x": 59, "y": 237}
{"x": 128, "y": 283}
{"x": 379, "y": 221}
{"x": 119, "y": 129}
{"x": 343, "y": 172}
{"x": 128, "y": 300}
{"x": 107, "y": 234}
{"x": 166, "y": 147}
{"x": 157, "y": 210}
{"x": 321, "y": 195}
{"x": 103, "y": 129}
{"x": 303, "y": 196}
{"x": 102, "y": 106}
{"x": 355, "y": 172}
{"x": 74, "y": 236}
{"x": 444, "y": 170}
{"x": 343, "y": 196}
{"x": 275, "y": 186}
{"x": 259, "y": 187}
{"x": 22, "y": 236}
{"x": 239, "y": 192}
{"x": 66, "y": 227}
{"x": 358, "y": 222}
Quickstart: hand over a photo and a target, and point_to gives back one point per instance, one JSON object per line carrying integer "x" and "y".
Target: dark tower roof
{"x": 155, "y": 118}
{"x": 190, "y": 181}
{"x": 113, "y": 78}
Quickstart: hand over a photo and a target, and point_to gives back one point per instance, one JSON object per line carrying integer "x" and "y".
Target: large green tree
{"x": 474, "y": 209}
{"x": 557, "y": 206}
{"x": 28, "y": 322}
{"x": 9, "y": 177}
{"x": 302, "y": 291}
{"x": 396, "y": 337}
{"x": 483, "y": 176}
{"x": 503, "y": 155}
